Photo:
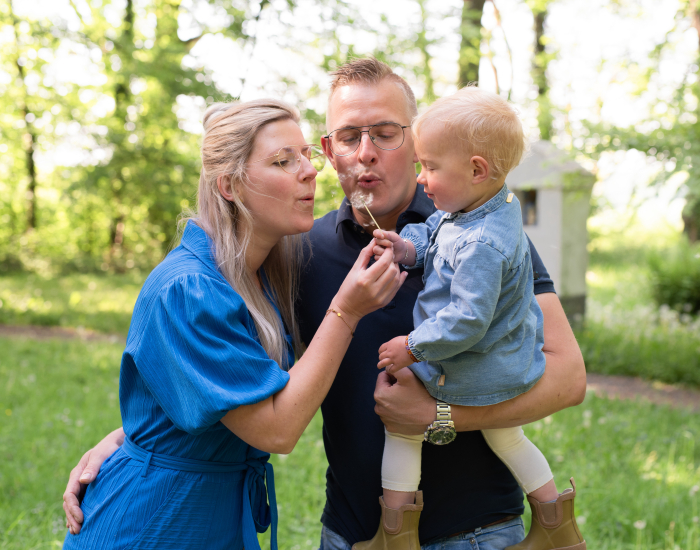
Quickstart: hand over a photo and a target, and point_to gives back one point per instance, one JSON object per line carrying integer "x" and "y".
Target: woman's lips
{"x": 308, "y": 200}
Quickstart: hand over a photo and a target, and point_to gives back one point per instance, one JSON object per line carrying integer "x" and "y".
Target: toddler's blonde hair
{"x": 482, "y": 124}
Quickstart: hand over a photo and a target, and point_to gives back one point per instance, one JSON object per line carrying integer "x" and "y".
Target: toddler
{"x": 478, "y": 333}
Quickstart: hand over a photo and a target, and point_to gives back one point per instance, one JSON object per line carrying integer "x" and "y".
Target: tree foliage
{"x": 671, "y": 134}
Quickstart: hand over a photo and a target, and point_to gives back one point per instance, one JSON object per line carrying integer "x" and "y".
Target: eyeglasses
{"x": 387, "y": 136}
{"x": 289, "y": 157}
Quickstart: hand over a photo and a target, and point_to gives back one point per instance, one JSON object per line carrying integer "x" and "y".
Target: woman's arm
{"x": 275, "y": 424}
{"x": 406, "y": 407}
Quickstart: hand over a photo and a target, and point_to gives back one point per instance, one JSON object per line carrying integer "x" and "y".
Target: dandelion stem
{"x": 370, "y": 213}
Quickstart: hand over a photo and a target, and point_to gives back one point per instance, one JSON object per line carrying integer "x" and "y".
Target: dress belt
{"x": 255, "y": 496}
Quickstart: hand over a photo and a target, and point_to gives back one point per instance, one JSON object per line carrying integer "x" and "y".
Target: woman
{"x": 204, "y": 390}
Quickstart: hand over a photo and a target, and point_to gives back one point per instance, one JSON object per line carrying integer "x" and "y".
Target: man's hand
{"x": 403, "y": 403}
{"x": 83, "y": 474}
{"x": 393, "y": 355}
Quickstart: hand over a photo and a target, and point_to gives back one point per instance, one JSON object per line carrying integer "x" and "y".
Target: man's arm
{"x": 406, "y": 407}
{"x": 84, "y": 473}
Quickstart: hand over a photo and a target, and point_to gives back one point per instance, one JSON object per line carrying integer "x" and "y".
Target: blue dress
{"x": 183, "y": 480}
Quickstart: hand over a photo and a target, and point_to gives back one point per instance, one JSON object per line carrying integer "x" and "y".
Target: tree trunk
{"x": 539, "y": 75}
{"x": 422, "y": 42}
{"x": 470, "y": 46}
{"x": 691, "y": 212}
{"x": 122, "y": 96}
{"x": 28, "y": 139}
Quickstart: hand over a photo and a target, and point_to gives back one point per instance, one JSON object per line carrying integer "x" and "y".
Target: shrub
{"x": 675, "y": 277}
{"x": 653, "y": 343}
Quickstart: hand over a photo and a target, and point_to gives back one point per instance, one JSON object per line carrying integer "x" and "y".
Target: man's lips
{"x": 368, "y": 182}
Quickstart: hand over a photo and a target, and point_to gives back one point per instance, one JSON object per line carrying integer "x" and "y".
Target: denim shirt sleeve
{"x": 419, "y": 234}
{"x": 474, "y": 294}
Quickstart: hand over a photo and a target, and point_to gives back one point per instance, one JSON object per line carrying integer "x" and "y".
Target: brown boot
{"x": 398, "y": 529}
{"x": 553, "y": 525}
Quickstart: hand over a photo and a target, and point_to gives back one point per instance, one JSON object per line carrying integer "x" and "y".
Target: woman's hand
{"x": 393, "y": 355}
{"x": 366, "y": 289}
{"x": 84, "y": 473}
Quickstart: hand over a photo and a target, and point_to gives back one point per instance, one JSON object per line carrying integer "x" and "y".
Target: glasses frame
{"x": 369, "y": 128}
{"x": 297, "y": 148}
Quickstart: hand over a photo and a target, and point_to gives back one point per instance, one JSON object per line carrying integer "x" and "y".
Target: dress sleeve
{"x": 199, "y": 354}
{"x": 419, "y": 234}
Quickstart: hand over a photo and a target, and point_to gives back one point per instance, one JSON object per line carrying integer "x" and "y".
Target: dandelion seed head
{"x": 361, "y": 199}
{"x": 640, "y": 524}
{"x": 581, "y": 520}
{"x": 694, "y": 489}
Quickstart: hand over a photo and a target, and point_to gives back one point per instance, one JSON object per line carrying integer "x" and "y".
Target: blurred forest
{"x": 100, "y": 102}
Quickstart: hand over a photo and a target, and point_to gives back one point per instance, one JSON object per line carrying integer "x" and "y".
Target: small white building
{"x": 554, "y": 193}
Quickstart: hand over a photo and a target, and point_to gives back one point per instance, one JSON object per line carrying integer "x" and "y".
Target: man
{"x": 473, "y": 497}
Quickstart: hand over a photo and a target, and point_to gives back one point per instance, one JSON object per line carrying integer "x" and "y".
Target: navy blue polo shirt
{"x": 465, "y": 485}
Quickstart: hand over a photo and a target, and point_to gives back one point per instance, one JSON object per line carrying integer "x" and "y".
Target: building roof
{"x": 547, "y": 167}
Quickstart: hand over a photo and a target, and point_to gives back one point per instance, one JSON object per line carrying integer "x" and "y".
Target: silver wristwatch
{"x": 442, "y": 431}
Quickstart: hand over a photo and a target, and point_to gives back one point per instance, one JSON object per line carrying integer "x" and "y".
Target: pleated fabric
{"x": 192, "y": 354}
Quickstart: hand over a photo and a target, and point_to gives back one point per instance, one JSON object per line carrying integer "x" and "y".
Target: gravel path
{"x": 613, "y": 387}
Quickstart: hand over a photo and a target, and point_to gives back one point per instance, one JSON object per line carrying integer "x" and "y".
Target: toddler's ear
{"x": 481, "y": 170}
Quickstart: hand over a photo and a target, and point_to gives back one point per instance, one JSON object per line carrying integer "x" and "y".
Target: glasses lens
{"x": 344, "y": 142}
{"x": 288, "y": 159}
{"x": 317, "y": 158}
{"x": 387, "y": 136}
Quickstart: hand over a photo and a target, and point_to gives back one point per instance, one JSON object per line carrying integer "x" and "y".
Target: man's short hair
{"x": 370, "y": 71}
{"x": 480, "y": 123}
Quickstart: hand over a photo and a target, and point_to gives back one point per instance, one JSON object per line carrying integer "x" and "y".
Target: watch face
{"x": 442, "y": 435}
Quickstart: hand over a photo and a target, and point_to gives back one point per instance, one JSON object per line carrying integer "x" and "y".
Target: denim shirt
{"x": 478, "y": 328}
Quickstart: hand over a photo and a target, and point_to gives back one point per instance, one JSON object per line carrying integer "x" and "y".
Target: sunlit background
{"x": 99, "y": 136}
{"x": 110, "y": 111}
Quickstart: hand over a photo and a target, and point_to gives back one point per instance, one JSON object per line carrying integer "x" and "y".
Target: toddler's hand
{"x": 388, "y": 239}
{"x": 393, "y": 355}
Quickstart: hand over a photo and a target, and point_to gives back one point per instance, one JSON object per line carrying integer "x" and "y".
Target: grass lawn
{"x": 637, "y": 466}
{"x": 98, "y": 302}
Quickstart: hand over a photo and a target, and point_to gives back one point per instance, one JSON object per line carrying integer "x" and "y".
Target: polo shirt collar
{"x": 421, "y": 207}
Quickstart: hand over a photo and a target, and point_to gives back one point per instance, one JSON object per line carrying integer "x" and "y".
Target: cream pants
{"x": 402, "y": 459}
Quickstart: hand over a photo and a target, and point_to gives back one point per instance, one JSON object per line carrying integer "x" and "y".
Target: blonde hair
{"x": 230, "y": 130}
{"x": 484, "y": 123}
{"x": 370, "y": 72}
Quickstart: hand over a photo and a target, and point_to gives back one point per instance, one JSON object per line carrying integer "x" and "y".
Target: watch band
{"x": 442, "y": 430}
{"x": 444, "y": 411}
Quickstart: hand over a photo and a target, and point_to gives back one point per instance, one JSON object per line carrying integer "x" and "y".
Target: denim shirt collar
{"x": 421, "y": 208}
{"x": 489, "y": 206}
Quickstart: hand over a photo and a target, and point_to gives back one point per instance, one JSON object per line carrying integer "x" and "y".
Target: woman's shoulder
{"x": 188, "y": 288}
